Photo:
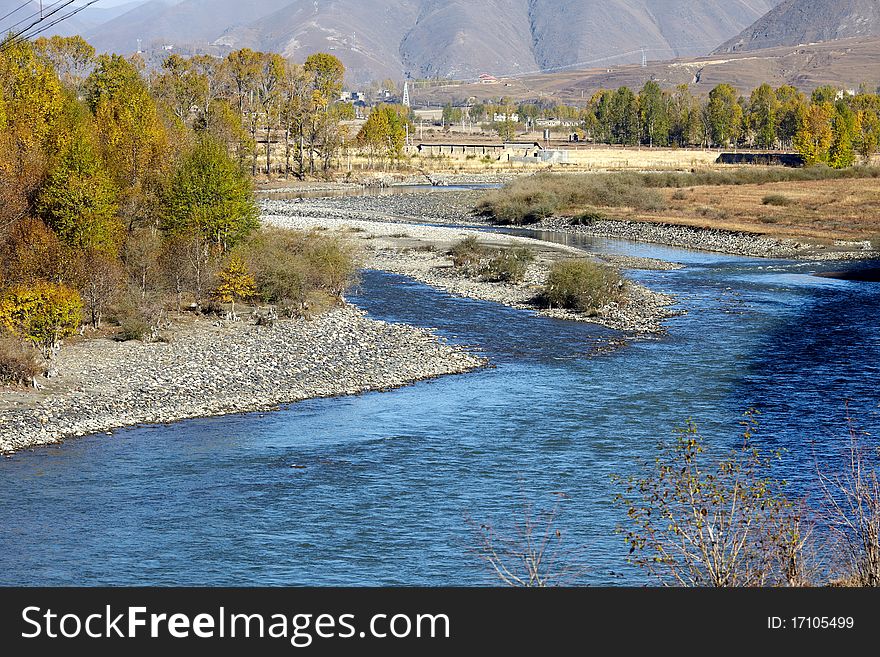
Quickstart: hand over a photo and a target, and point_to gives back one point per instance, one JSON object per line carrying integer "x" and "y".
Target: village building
{"x": 503, "y": 151}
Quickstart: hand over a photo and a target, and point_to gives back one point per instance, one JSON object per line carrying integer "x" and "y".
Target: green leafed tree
{"x": 841, "y": 153}
{"x": 625, "y": 117}
{"x": 79, "y": 199}
{"x": 210, "y": 193}
{"x": 762, "y": 108}
{"x": 724, "y": 115}
{"x": 654, "y": 114}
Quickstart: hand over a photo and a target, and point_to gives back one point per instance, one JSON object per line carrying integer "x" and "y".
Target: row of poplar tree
{"x": 831, "y": 126}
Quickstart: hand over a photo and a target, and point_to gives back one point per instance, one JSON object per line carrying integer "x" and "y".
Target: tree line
{"x": 127, "y": 194}
{"x": 830, "y": 126}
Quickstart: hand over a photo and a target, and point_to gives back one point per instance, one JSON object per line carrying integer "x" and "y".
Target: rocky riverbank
{"x": 431, "y": 207}
{"x": 207, "y": 369}
{"x": 706, "y": 239}
{"x": 420, "y": 252}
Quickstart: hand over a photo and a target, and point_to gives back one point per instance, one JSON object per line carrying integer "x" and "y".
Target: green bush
{"x": 581, "y": 285}
{"x": 777, "y": 199}
{"x": 509, "y": 265}
{"x": 301, "y": 273}
{"x": 136, "y": 319}
{"x": 469, "y": 255}
{"x": 494, "y": 265}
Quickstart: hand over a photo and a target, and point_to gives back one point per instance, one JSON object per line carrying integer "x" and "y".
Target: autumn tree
{"x": 242, "y": 69}
{"x": 695, "y": 520}
{"x": 33, "y": 103}
{"x": 326, "y": 74}
{"x": 188, "y": 262}
{"x": 72, "y": 57}
{"x": 868, "y": 134}
{"x": 235, "y": 283}
{"x": 221, "y": 123}
{"x": 295, "y": 101}
{"x": 841, "y": 153}
{"x": 43, "y": 313}
{"x": 813, "y": 137}
{"x": 30, "y": 251}
{"x": 100, "y": 283}
{"x": 180, "y": 86}
{"x": 128, "y": 123}
{"x": 384, "y": 133}
{"x": 270, "y": 81}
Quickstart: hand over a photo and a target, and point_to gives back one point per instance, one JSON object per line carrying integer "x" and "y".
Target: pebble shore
{"x": 704, "y": 239}
{"x": 419, "y": 251}
{"x": 206, "y": 369}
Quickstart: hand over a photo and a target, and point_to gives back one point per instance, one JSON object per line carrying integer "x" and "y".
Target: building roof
{"x": 507, "y": 144}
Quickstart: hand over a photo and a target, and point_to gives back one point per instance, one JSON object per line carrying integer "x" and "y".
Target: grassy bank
{"x": 816, "y": 203}
{"x": 528, "y": 200}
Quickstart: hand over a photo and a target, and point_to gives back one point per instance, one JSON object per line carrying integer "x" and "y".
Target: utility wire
{"x": 14, "y": 11}
{"x": 41, "y": 14}
{"x": 29, "y": 31}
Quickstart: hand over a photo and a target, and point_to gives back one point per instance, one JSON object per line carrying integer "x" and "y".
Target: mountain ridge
{"x": 440, "y": 38}
{"x": 796, "y": 22}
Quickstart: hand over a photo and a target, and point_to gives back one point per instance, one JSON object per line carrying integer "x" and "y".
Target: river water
{"x": 384, "y": 488}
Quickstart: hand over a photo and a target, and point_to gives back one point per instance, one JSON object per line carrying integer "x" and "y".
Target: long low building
{"x": 502, "y": 151}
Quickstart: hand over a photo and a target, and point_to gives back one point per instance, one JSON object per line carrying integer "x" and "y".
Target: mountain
{"x": 190, "y": 22}
{"x": 797, "y": 22}
{"x": 16, "y": 15}
{"x": 844, "y": 63}
{"x": 441, "y": 38}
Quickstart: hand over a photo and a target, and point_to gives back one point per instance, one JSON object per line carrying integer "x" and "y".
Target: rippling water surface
{"x": 377, "y": 489}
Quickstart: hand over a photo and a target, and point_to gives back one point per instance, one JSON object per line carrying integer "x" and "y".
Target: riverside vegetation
{"x": 699, "y": 517}
{"x": 120, "y": 204}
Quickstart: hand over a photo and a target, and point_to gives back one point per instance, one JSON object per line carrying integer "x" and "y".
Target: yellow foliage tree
{"x": 128, "y": 122}
{"x": 236, "y": 283}
{"x": 43, "y": 313}
{"x": 813, "y": 137}
{"x": 33, "y": 98}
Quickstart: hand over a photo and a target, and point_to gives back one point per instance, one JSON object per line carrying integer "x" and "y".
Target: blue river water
{"x": 388, "y": 486}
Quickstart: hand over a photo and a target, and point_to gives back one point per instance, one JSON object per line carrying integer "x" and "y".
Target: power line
{"x": 16, "y": 10}
{"x": 61, "y": 18}
{"x": 41, "y": 14}
{"x": 29, "y": 32}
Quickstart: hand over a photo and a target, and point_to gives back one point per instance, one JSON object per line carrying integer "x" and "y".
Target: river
{"x": 383, "y": 488}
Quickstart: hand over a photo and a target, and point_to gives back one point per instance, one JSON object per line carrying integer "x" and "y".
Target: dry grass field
{"x": 821, "y": 210}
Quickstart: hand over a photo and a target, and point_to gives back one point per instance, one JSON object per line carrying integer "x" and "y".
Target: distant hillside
{"x": 15, "y": 15}
{"x": 844, "y": 63}
{"x": 193, "y": 22}
{"x": 441, "y": 38}
{"x": 797, "y": 22}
